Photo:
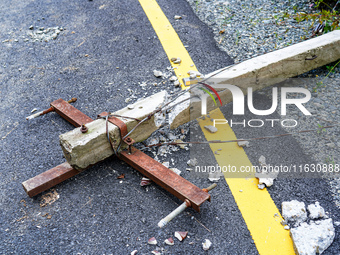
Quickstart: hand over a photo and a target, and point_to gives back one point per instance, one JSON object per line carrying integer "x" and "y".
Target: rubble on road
{"x": 265, "y": 176}
{"x": 211, "y": 129}
{"x": 294, "y": 212}
{"x": 176, "y": 170}
{"x": 157, "y": 73}
{"x": 316, "y": 211}
{"x": 192, "y": 162}
{"x": 243, "y": 144}
{"x": 308, "y": 238}
{"x": 261, "y": 186}
{"x": 176, "y": 60}
{"x": 313, "y": 238}
{"x": 206, "y": 244}
{"x": 215, "y": 176}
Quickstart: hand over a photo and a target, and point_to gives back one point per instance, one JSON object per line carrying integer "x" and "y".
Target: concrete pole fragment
{"x": 264, "y": 71}
{"x": 82, "y": 150}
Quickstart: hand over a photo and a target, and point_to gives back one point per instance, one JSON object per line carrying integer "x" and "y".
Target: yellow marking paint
{"x": 169, "y": 39}
{"x": 257, "y": 208}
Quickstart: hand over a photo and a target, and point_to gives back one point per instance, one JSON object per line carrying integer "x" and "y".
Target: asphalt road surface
{"x": 105, "y": 50}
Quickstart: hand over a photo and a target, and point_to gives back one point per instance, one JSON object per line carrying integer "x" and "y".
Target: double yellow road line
{"x": 256, "y": 206}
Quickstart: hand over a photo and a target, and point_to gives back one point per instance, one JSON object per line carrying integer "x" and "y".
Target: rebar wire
{"x": 241, "y": 140}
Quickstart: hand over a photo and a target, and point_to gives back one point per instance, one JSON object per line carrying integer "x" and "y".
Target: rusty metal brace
{"x": 152, "y": 169}
{"x": 122, "y": 130}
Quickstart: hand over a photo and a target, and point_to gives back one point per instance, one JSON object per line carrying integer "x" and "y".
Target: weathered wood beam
{"x": 82, "y": 150}
{"x": 264, "y": 71}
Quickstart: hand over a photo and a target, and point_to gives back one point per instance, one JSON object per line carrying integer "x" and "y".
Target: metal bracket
{"x": 191, "y": 195}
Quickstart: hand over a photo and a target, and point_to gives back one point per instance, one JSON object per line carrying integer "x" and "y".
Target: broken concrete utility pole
{"x": 263, "y": 71}
{"x": 82, "y": 150}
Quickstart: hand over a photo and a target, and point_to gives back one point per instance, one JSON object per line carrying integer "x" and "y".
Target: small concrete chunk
{"x": 192, "y": 162}
{"x": 267, "y": 175}
{"x": 261, "y": 186}
{"x": 316, "y": 211}
{"x": 211, "y": 129}
{"x": 294, "y": 212}
{"x": 157, "y": 73}
{"x": 313, "y": 238}
{"x": 243, "y": 144}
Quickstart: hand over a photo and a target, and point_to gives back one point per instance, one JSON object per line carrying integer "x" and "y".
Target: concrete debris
{"x": 162, "y": 150}
{"x": 45, "y": 34}
{"x": 211, "y": 129}
{"x": 127, "y": 100}
{"x": 166, "y": 164}
{"x": 262, "y": 160}
{"x": 145, "y": 182}
{"x": 157, "y": 73}
{"x": 316, "y": 211}
{"x": 173, "y": 78}
{"x": 162, "y": 139}
{"x": 313, "y": 238}
{"x": 206, "y": 244}
{"x": 156, "y": 252}
{"x": 152, "y": 241}
{"x": 34, "y": 110}
{"x": 243, "y": 144}
{"x": 266, "y": 181}
{"x": 177, "y": 83}
{"x": 286, "y": 227}
{"x": 176, "y": 170}
{"x": 176, "y": 60}
{"x": 266, "y": 175}
{"x": 261, "y": 186}
{"x": 294, "y": 212}
{"x": 177, "y": 17}
{"x": 192, "y": 162}
{"x": 180, "y": 235}
{"x": 171, "y": 136}
{"x": 337, "y": 223}
{"x": 134, "y": 252}
{"x": 169, "y": 241}
{"x": 215, "y": 176}
{"x": 195, "y": 73}
{"x": 192, "y": 76}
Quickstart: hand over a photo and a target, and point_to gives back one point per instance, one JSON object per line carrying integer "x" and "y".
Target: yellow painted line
{"x": 169, "y": 39}
{"x": 257, "y": 207}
